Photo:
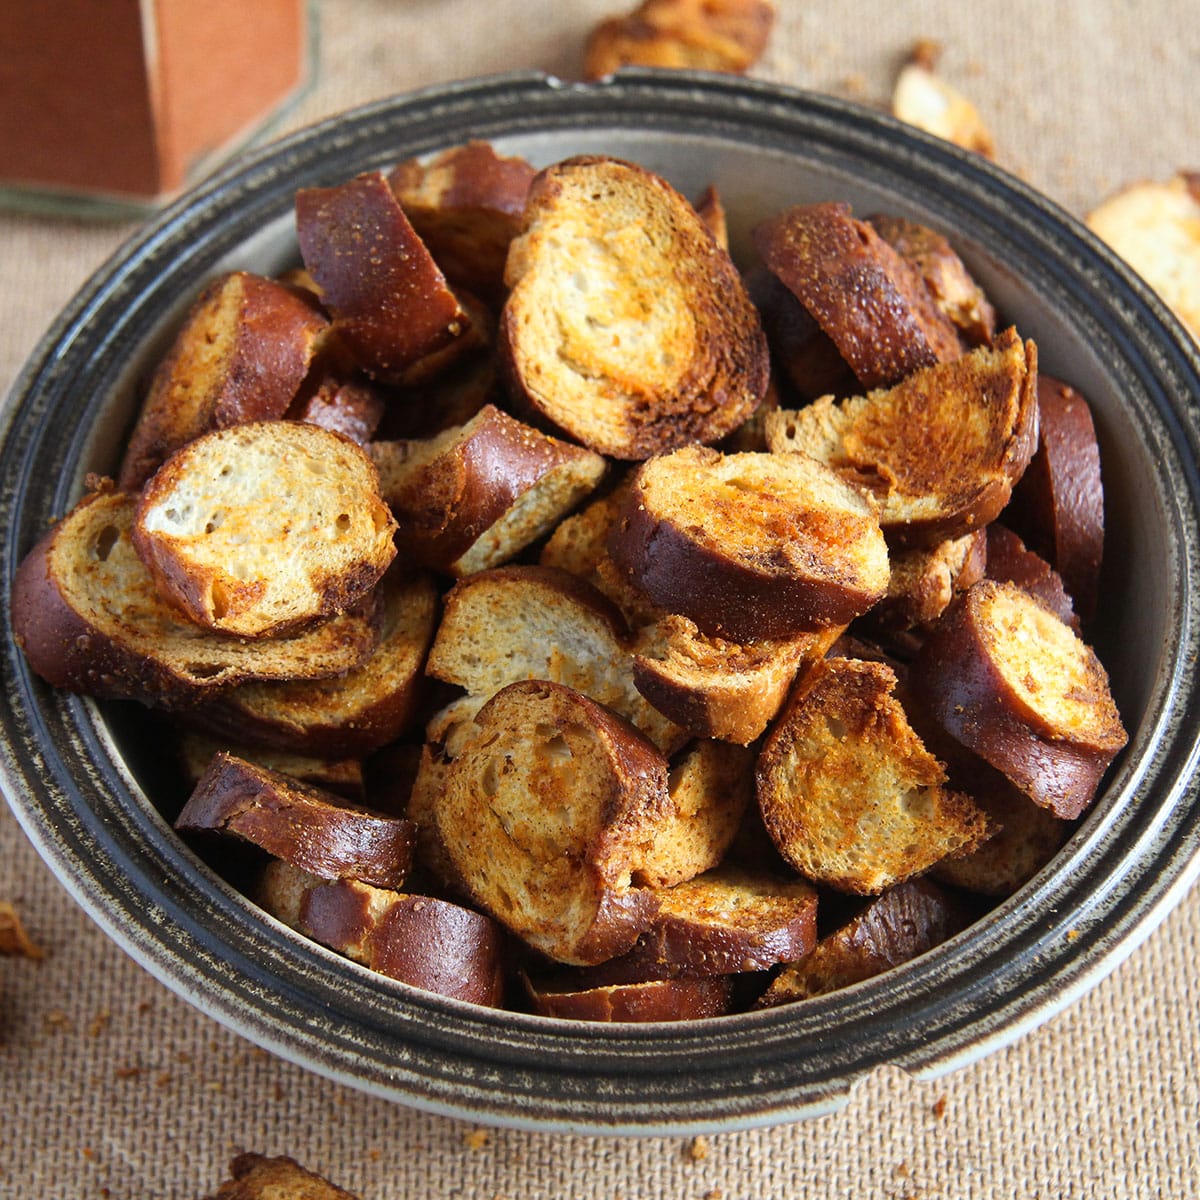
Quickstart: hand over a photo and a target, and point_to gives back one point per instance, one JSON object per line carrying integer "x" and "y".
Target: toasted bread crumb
{"x": 939, "y": 1107}
{"x": 477, "y": 1139}
{"x": 100, "y": 1022}
{"x": 698, "y": 1148}
{"x": 13, "y": 937}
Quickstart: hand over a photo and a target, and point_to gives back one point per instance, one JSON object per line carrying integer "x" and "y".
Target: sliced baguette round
{"x": 710, "y": 786}
{"x": 627, "y": 326}
{"x": 1010, "y": 680}
{"x": 240, "y": 355}
{"x": 940, "y": 451}
{"x": 264, "y": 528}
{"x": 350, "y": 714}
{"x": 723, "y": 922}
{"x": 871, "y": 302}
{"x": 477, "y": 494}
{"x": 1058, "y": 505}
{"x": 750, "y": 545}
{"x": 86, "y": 612}
{"x": 950, "y": 284}
{"x": 905, "y": 921}
{"x": 849, "y": 793}
{"x": 420, "y": 940}
{"x": 392, "y": 306}
{"x": 657, "y": 1000}
{"x": 545, "y": 815}
{"x": 526, "y": 622}
{"x": 304, "y": 826}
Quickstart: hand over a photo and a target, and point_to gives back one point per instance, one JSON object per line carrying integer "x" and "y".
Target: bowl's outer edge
{"x": 87, "y": 817}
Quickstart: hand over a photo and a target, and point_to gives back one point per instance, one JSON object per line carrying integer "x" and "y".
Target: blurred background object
{"x": 126, "y": 101}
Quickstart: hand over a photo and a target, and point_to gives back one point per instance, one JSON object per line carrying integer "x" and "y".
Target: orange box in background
{"x": 127, "y": 99}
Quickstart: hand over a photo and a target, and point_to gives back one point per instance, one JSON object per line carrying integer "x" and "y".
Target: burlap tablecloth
{"x": 111, "y": 1086}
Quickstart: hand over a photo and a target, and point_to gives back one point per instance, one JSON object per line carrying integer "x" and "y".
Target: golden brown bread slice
{"x": 923, "y": 98}
{"x": 466, "y": 204}
{"x": 710, "y": 788}
{"x": 522, "y": 622}
{"x": 905, "y": 921}
{"x": 264, "y": 528}
{"x": 711, "y": 686}
{"x": 257, "y": 1177}
{"x": 805, "y": 355}
{"x": 711, "y": 210}
{"x": 477, "y": 494}
{"x": 392, "y": 306}
{"x": 627, "y": 326}
{"x": 240, "y": 355}
{"x": 940, "y": 451}
{"x": 716, "y": 688}
{"x": 307, "y": 827}
{"x": 709, "y": 35}
{"x": 423, "y": 941}
{"x": 849, "y": 793}
{"x": 350, "y": 714}
{"x": 946, "y": 276}
{"x": 87, "y": 614}
{"x": 1010, "y": 561}
{"x": 1058, "y": 504}
{"x": 750, "y": 545}
{"x": 924, "y": 581}
{"x": 1029, "y": 837}
{"x": 1155, "y": 227}
{"x": 351, "y": 407}
{"x": 723, "y": 922}
{"x": 871, "y": 301}
{"x": 655, "y": 1000}
{"x": 342, "y": 776}
{"x": 546, "y": 813}
{"x": 1009, "y": 679}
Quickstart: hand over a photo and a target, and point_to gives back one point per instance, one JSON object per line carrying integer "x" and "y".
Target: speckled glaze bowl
{"x": 82, "y": 777}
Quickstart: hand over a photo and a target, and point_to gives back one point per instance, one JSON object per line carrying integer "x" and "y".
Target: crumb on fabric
{"x": 100, "y": 1022}
{"x": 477, "y": 1139}
{"x": 939, "y": 1107}
{"x": 13, "y": 937}
{"x": 697, "y": 1149}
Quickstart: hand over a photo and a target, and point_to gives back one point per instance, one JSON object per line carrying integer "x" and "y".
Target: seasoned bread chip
{"x": 1058, "y": 505}
{"x": 256, "y": 1177}
{"x": 428, "y": 943}
{"x": 1155, "y": 228}
{"x": 514, "y": 623}
{"x": 308, "y": 828}
{"x": 750, "y": 545}
{"x": 723, "y": 922}
{"x": 627, "y": 326}
{"x": 477, "y": 494}
{"x": 923, "y": 98}
{"x": 342, "y": 776}
{"x": 872, "y": 302}
{"x": 656, "y": 1000}
{"x": 349, "y": 714}
{"x": 940, "y": 451}
{"x": 1010, "y": 680}
{"x": 905, "y": 921}
{"x": 710, "y": 788}
{"x": 924, "y": 581}
{"x": 392, "y": 306}
{"x": 240, "y": 355}
{"x": 708, "y": 35}
{"x": 264, "y": 528}
{"x": 716, "y": 688}
{"x": 1010, "y": 561}
{"x": 87, "y": 614}
{"x": 466, "y": 204}
{"x": 848, "y": 792}
{"x": 950, "y": 284}
{"x": 547, "y": 812}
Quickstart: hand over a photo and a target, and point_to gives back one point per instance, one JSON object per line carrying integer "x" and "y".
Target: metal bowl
{"x": 82, "y": 777}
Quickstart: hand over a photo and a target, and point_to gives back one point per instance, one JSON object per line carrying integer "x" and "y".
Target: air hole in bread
{"x": 556, "y": 749}
{"x": 490, "y": 783}
{"x": 106, "y": 539}
{"x": 837, "y": 727}
{"x": 220, "y": 599}
{"x": 342, "y": 523}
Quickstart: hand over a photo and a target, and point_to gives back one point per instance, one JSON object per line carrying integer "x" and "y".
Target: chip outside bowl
{"x": 81, "y": 782}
